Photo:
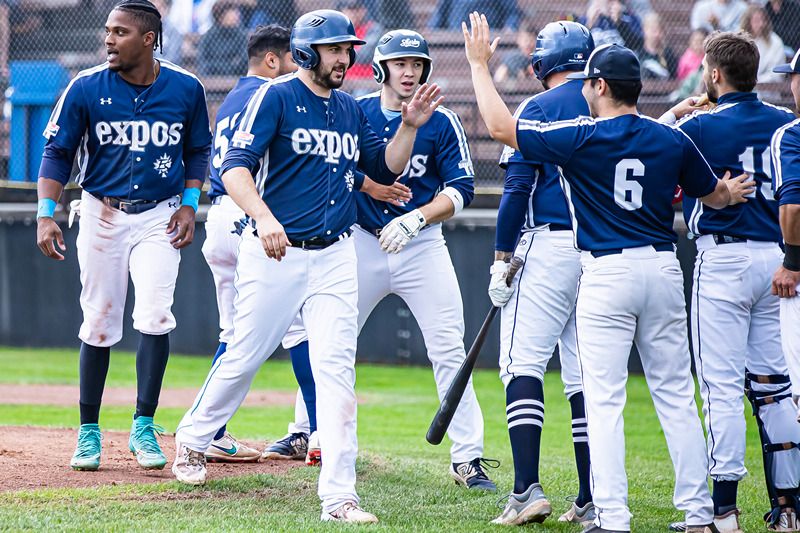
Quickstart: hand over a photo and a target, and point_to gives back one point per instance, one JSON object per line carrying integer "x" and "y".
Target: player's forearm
{"x": 49, "y": 188}
{"x": 398, "y": 151}
{"x": 719, "y": 198}
{"x": 439, "y": 209}
{"x": 242, "y": 189}
{"x": 790, "y": 223}
{"x": 498, "y": 119}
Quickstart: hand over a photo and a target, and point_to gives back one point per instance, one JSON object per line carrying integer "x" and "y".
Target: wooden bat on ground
{"x": 451, "y": 400}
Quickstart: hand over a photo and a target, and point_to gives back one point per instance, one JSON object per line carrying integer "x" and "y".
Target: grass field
{"x": 402, "y": 478}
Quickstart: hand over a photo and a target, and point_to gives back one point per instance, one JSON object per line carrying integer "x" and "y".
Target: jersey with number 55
{"x": 736, "y": 136}
{"x": 619, "y": 175}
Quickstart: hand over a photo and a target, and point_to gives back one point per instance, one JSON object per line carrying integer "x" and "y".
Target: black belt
{"x": 659, "y": 247}
{"x": 719, "y": 238}
{"x": 559, "y": 227}
{"x": 318, "y": 243}
{"x": 217, "y": 200}
{"x": 131, "y": 207}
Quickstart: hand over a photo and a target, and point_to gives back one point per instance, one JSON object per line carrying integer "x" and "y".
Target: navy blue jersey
{"x": 303, "y": 152}
{"x": 440, "y": 159}
{"x": 133, "y": 142}
{"x": 736, "y": 136}
{"x": 538, "y": 181}
{"x": 786, "y": 163}
{"x": 619, "y": 176}
{"x": 225, "y": 125}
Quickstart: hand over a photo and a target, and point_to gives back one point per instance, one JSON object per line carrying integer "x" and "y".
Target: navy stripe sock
{"x": 580, "y": 441}
{"x": 223, "y": 346}
{"x": 151, "y": 363}
{"x": 93, "y": 369}
{"x": 525, "y": 414}
{"x": 724, "y": 496}
{"x": 301, "y": 364}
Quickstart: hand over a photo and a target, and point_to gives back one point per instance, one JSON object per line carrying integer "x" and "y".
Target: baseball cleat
{"x": 786, "y": 521}
{"x": 314, "y": 454}
{"x": 229, "y": 450}
{"x": 708, "y": 528}
{"x": 472, "y": 475}
{"x": 728, "y": 522}
{"x": 680, "y": 527}
{"x": 87, "y": 453}
{"x": 350, "y": 513}
{"x": 579, "y": 515}
{"x": 143, "y": 444}
{"x": 189, "y": 466}
{"x": 530, "y": 506}
{"x": 293, "y": 446}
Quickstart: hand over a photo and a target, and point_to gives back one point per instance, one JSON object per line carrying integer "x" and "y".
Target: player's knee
{"x": 155, "y": 324}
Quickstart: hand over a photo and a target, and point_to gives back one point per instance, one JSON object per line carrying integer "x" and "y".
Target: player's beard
{"x": 326, "y": 79}
{"x": 711, "y": 91}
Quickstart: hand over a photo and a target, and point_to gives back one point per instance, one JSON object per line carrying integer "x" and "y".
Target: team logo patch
{"x": 105, "y": 101}
{"x": 410, "y": 43}
{"x": 52, "y": 129}
{"x": 243, "y": 138}
{"x": 349, "y": 180}
{"x": 162, "y": 165}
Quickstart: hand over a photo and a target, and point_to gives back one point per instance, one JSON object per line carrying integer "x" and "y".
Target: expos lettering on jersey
{"x": 131, "y": 141}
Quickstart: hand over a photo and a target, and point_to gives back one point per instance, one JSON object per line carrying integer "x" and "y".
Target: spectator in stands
{"x": 722, "y": 15}
{"x": 501, "y": 14}
{"x": 367, "y": 30}
{"x": 657, "y": 60}
{"x": 172, "y": 44}
{"x": 692, "y": 58}
{"x": 610, "y": 21}
{"x": 770, "y": 47}
{"x": 517, "y": 63}
{"x": 784, "y": 15}
{"x": 390, "y": 13}
{"x": 263, "y": 12}
{"x": 220, "y": 51}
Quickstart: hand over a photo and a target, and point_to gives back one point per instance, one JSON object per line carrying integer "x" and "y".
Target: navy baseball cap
{"x": 790, "y": 68}
{"x": 610, "y": 62}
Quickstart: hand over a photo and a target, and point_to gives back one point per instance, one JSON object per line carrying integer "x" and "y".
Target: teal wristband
{"x": 191, "y": 197}
{"x": 46, "y": 208}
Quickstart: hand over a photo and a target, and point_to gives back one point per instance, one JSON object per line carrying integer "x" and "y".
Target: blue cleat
{"x": 472, "y": 475}
{"x": 143, "y": 444}
{"x": 87, "y": 453}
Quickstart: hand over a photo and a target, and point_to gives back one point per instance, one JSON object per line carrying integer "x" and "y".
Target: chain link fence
{"x": 45, "y": 42}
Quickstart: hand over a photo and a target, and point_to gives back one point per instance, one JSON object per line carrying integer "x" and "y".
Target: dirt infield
{"x": 37, "y": 458}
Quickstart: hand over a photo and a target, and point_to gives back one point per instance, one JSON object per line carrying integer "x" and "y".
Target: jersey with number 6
{"x": 227, "y": 116}
{"x": 735, "y": 136}
{"x": 619, "y": 175}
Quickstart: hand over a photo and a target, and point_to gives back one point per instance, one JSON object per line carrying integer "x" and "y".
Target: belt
{"x": 659, "y": 247}
{"x": 559, "y": 227}
{"x": 726, "y": 239}
{"x": 131, "y": 207}
{"x": 217, "y": 199}
{"x": 318, "y": 243}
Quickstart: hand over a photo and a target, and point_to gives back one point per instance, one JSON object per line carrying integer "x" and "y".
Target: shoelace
{"x": 294, "y": 439}
{"x": 194, "y": 459}
{"x": 476, "y": 467}
{"x": 346, "y": 508}
{"x": 146, "y": 436}
{"x": 86, "y": 442}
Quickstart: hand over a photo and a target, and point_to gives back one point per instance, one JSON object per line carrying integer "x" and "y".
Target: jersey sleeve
{"x": 197, "y": 146}
{"x": 65, "y": 129}
{"x": 372, "y": 158}
{"x": 258, "y": 125}
{"x": 786, "y": 164}
{"x": 690, "y": 125}
{"x": 528, "y": 110}
{"x": 513, "y": 204}
{"x": 552, "y": 142}
{"x": 696, "y": 178}
{"x": 454, "y": 161}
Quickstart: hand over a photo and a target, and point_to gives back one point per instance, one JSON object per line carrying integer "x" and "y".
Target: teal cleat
{"x": 87, "y": 453}
{"x": 143, "y": 443}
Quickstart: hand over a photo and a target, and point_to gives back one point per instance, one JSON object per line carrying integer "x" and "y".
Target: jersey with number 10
{"x": 735, "y": 136}
{"x": 619, "y": 176}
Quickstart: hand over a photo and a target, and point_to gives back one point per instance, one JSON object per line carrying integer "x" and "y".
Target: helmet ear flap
{"x": 305, "y": 57}
{"x": 426, "y": 72}
{"x": 380, "y": 72}
{"x": 352, "y": 53}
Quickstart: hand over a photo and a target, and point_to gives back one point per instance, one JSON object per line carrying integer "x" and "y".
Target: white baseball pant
{"x": 790, "y": 339}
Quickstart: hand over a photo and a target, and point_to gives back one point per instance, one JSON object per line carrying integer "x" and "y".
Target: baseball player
{"x": 541, "y": 312}
{"x": 291, "y": 167}
{"x": 786, "y": 183}
{"x": 622, "y": 218}
{"x": 140, "y": 129}
{"x": 269, "y": 57}
{"x": 401, "y": 249}
{"x": 735, "y": 318}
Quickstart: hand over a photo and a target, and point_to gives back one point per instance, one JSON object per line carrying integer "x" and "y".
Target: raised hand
{"x": 476, "y": 40}
{"x": 421, "y": 107}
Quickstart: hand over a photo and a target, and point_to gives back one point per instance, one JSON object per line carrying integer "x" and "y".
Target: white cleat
{"x": 728, "y": 522}
{"x": 350, "y": 513}
{"x": 229, "y": 450}
{"x": 189, "y": 466}
{"x": 787, "y": 521}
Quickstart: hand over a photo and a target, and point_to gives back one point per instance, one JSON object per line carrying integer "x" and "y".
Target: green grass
{"x": 401, "y": 478}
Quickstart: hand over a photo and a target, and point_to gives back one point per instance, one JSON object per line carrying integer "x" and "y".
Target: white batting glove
{"x": 499, "y": 292}
{"x": 399, "y": 232}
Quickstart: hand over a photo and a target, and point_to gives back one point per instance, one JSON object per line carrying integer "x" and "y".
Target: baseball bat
{"x": 441, "y": 421}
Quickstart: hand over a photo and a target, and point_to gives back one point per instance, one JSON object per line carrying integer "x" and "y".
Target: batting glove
{"x": 499, "y": 292}
{"x": 399, "y": 232}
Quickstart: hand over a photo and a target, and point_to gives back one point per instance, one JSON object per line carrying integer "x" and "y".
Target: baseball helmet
{"x": 400, "y": 43}
{"x": 323, "y": 26}
{"x": 562, "y": 45}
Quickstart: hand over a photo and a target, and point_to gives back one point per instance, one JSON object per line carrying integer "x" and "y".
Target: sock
{"x": 724, "y": 496}
{"x": 93, "y": 369}
{"x": 223, "y": 346}
{"x": 301, "y": 364}
{"x": 151, "y": 362}
{"x": 580, "y": 441}
{"x": 523, "y": 394}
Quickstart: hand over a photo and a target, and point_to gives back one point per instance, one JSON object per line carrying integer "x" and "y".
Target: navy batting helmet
{"x": 400, "y": 43}
{"x": 560, "y": 46}
{"x": 323, "y": 26}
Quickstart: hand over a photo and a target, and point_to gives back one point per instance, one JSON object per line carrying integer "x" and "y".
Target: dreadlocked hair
{"x": 147, "y": 18}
